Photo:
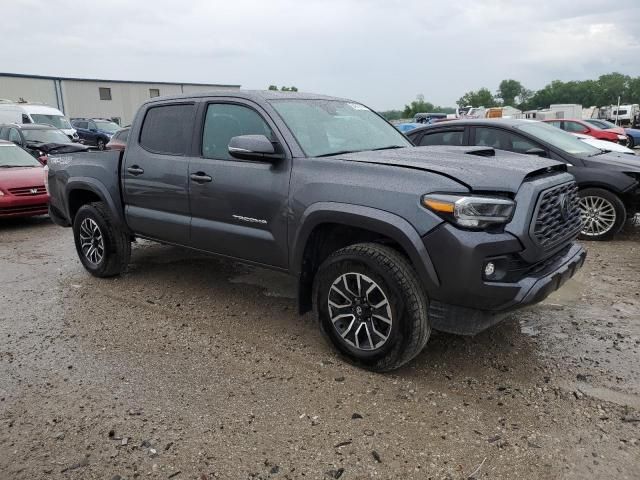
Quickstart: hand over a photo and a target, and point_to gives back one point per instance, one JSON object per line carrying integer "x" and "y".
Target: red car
{"x": 119, "y": 140}
{"x": 22, "y": 190}
{"x": 586, "y": 128}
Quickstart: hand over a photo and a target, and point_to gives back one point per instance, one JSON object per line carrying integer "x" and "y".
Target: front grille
{"x": 28, "y": 191}
{"x": 557, "y": 216}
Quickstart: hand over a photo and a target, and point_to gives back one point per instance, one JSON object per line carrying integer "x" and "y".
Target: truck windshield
{"x": 331, "y": 127}
{"x": 57, "y": 121}
{"x": 559, "y": 138}
{"x": 14, "y": 156}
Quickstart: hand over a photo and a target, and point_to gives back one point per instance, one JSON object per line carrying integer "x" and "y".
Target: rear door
{"x": 238, "y": 207}
{"x": 155, "y": 173}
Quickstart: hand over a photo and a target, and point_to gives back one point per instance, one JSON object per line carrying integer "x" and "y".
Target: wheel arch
{"x": 327, "y": 226}
{"x": 80, "y": 191}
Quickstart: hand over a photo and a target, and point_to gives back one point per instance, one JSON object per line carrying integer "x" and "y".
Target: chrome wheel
{"x": 91, "y": 241}
{"x": 598, "y": 216}
{"x": 360, "y": 311}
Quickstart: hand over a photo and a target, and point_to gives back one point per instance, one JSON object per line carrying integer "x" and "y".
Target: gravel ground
{"x": 189, "y": 367}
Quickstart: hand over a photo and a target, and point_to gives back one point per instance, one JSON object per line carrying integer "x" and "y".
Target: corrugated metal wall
{"x": 81, "y": 98}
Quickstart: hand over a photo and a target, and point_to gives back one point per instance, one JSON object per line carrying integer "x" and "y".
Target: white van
{"x": 35, "y": 113}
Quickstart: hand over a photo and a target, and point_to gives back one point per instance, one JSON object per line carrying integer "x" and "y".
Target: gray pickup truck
{"x": 387, "y": 241}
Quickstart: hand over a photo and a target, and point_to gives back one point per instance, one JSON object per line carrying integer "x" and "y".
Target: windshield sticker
{"x": 357, "y": 106}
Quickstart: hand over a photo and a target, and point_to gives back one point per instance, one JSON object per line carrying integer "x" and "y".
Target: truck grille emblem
{"x": 34, "y": 190}
{"x": 563, "y": 204}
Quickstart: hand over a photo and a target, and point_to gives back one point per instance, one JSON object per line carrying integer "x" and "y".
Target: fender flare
{"x": 614, "y": 181}
{"x": 385, "y": 223}
{"x": 97, "y": 187}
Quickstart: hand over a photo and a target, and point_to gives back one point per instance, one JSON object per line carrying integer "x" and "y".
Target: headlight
{"x": 1, "y": 193}
{"x": 470, "y": 211}
{"x": 45, "y": 173}
{"x": 622, "y": 137}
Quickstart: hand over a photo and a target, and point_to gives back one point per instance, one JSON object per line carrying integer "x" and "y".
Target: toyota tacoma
{"x": 387, "y": 241}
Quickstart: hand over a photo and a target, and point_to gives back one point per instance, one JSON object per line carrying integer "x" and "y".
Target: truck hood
{"x": 478, "y": 168}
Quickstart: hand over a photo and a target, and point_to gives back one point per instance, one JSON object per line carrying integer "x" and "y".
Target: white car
{"x": 604, "y": 144}
{"x": 21, "y": 113}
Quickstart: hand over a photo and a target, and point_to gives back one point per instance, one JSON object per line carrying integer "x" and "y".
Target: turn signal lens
{"x": 439, "y": 206}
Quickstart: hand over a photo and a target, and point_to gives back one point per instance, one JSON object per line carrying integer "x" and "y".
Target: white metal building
{"x": 80, "y": 97}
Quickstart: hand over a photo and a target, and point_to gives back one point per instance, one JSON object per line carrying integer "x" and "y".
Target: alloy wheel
{"x": 91, "y": 241}
{"x": 360, "y": 311}
{"x": 598, "y": 216}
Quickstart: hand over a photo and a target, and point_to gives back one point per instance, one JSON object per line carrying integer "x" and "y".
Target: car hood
{"x": 618, "y": 161}
{"x": 21, "y": 177}
{"x": 479, "y": 168}
{"x": 58, "y": 147}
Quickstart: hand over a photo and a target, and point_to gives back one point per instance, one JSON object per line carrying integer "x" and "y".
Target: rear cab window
{"x": 167, "y": 129}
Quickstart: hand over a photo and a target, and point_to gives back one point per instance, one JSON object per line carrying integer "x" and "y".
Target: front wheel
{"x": 371, "y": 306}
{"x": 101, "y": 144}
{"x": 603, "y": 214}
{"x": 104, "y": 249}
{"x": 630, "y": 142}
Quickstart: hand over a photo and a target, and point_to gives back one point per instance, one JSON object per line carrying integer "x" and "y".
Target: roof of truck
{"x": 255, "y": 95}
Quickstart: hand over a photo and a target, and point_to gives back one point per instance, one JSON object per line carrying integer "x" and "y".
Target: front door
{"x": 156, "y": 171}
{"x": 238, "y": 207}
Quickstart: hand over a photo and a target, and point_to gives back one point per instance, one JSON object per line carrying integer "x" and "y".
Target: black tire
{"x": 101, "y": 144}
{"x": 116, "y": 246}
{"x": 398, "y": 282}
{"x": 609, "y": 198}
{"x": 630, "y": 142}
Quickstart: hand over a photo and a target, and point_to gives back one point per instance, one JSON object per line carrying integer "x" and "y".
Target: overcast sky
{"x": 381, "y": 52}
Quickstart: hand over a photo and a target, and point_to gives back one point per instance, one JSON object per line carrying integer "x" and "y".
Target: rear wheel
{"x": 101, "y": 144}
{"x": 603, "y": 214}
{"x": 371, "y": 306}
{"x": 104, "y": 249}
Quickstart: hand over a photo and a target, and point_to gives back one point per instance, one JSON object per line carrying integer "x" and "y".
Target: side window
{"x": 83, "y": 125}
{"x": 167, "y": 129}
{"x": 574, "y": 127}
{"x": 124, "y": 135}
{"x": 557, "y": 124}
{"x": 442, "y": 138}
{"x": 25, "y": 118}
{"x": 502, "y": 140}
{"x": 225, "y": 121}
{"x": 105, "y": 93}
{"x": 14, "y": 136}
{"x": 91, "y": 126}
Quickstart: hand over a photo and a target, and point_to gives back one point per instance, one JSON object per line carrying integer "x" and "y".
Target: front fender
{"x": 379, "y": 221}
{"x": 615, "y": 181}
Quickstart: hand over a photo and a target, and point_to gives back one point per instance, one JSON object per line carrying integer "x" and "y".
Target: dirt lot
{"x": 189, "y": 367}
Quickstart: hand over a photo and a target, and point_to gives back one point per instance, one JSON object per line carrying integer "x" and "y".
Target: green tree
{"x": 478, "y": 98}
{"x": 283, "y": 89}
{"x": 508, "y": 90}
{"x": 273, "y": 87}
{"x": 417, "y": 106}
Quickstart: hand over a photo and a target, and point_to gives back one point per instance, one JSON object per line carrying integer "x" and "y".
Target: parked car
{"x": 39, "y": 140}
{"x": 586, "y": 128}
{"x": 633, "y": 137}
{"x": 406, "y": 127}
{"x": 119, "y": 140}
{"x": 25, "y": 113}
{"x": 428, "y": 118}
{"x": 609, "y": 183}
{"x": 387, "y": 241}
{"x": 22, "y": 190}
{"x": 95, "y": 131}
{"x": 604, "y": 145}
{"x": 605, "y": 125}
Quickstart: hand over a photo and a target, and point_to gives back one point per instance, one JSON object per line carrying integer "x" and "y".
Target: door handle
{"x": 200, "y": 177}
{"x": 135, "y": 170}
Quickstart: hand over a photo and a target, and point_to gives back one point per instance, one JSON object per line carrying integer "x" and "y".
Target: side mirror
{"x": 43, "y": 159}
{"x": 253, "y": 147}
{"x": 536, "y": 151}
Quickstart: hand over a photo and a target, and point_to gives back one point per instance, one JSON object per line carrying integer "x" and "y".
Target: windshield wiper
{"x": 341, "y": 152}
{"x": 390, "y": 147}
